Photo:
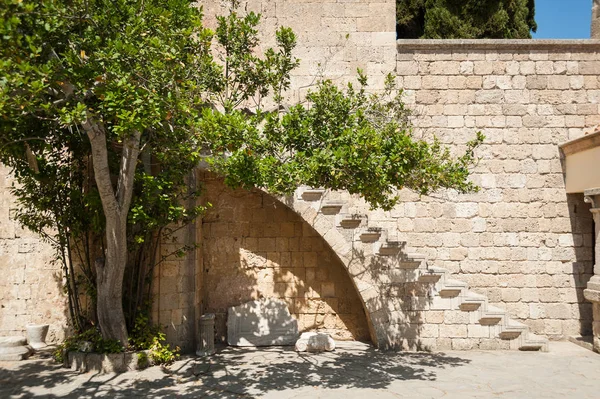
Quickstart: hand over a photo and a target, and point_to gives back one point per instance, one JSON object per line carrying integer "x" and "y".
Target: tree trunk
{"x": 110, "y": 279}
{"x": 115, "y": 204}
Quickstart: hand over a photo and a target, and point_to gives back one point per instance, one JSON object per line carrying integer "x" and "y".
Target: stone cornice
{"x": 583, "y": 143}
{"x": 505, "y": 45}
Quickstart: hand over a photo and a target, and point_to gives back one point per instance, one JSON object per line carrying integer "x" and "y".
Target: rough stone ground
{"x": 353, "y": 371}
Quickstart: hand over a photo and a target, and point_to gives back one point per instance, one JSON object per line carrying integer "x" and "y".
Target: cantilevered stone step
{"x": 412, "y": 261}
{"x": 371, "y": 234}
{"x": 312, "y": 194}
{"x": 431, "y": 275}
{"x": 492, "y": 316}
{"x": 331, "y": 207}
{"x": 452, "y": 288}
{"x": 512, "y": 330}
{"x": 351, "y": 220}
{"x": 388, "y": 248}
{"x": 472, "y": 302}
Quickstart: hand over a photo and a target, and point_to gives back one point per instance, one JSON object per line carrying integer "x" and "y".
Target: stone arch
{"x": 371, "y": 274}
{"x": 255, "y": 245}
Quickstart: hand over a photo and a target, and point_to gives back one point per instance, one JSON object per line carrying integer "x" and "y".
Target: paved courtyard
{"x": 353, "y": 371}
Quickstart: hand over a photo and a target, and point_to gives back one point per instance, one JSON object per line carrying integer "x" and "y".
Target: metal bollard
{"x": 206, "y": 335}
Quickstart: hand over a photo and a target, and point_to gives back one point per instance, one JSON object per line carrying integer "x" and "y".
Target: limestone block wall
{"x": 334, "y": 37}
{"x": 30, "y": 285}
{"x": 521, "y": 240}
{"x": 174, "y": 287}
{"x": 254, "y": 246}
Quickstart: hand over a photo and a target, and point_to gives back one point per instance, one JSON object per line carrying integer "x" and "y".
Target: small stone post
{"x": 595, "y": 31}
{"x": 592, "y": 293}
{"x": 206, "y": 335}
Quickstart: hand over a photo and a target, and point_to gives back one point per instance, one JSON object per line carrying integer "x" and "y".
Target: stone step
{"x": 388, "y": 248}
{"x": 452, "y": 288}
{"x": 534, "y": 343}
{"x": 472, "y": 302}
{"x": 12, "y": 341}
{"x": 370, "y": 234}
{"x": 492, "y": 316}
{"x": 351, "y": 220}
{"x": 331, "y": 207}
{"x": 410, "y": 261}
{"x": 512, "y": 330}
{"x": 312, "y": 194}
{"x": 432, "y": 275}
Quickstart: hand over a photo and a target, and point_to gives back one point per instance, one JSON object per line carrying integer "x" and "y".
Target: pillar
{"x": 206, "y": 335}
{"x": 595, "y": 31}
{"x": 592, "y": 292}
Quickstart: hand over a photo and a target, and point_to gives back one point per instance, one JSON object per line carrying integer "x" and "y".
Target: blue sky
{"x": 563, "y": 19}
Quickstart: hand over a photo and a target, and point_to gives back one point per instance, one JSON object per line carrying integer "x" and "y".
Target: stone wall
{"x": 175, "y": 289}
{"x": 30, "y": 285}
{"x": 521, "y": 240}
{"x": 255, "y": 247}
{"x": 334, "y": 37}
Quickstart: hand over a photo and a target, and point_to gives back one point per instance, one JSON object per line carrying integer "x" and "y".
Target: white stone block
{"x": 263, "y": 322}
{"x": 315, "y": 342}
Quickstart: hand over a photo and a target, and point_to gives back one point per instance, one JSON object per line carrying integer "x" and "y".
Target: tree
{"x": 108, "y": 104}
{"x": 465, "y": 19}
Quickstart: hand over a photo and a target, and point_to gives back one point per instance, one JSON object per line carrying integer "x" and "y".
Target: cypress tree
{"x": 465, "y": 19}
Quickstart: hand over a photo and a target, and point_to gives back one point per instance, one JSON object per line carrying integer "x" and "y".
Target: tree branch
{"x": 97, "y": 137}
{"x": 129, "y": 157}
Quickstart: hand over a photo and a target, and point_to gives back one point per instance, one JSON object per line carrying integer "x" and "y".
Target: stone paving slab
{"x": 351, "y": 371}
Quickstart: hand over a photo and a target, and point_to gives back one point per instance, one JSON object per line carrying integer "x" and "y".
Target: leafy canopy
{"x": 147, "y": 72}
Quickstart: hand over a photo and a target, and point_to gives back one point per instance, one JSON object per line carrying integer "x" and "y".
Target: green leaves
{"x": 246, "y": 77}
{"x": 343, "y": 140}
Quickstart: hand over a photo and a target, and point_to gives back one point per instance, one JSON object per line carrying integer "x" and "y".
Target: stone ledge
{"x": 567, "y": 45}
{"x": 583, "y": 143}
{"x": 591, "y": 295}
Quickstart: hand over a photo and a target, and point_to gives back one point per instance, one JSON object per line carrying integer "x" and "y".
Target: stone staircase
{"x": 409, "y": 304}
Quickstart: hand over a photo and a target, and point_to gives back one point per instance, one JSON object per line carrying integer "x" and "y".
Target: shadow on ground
{"x": 231, "y": 373}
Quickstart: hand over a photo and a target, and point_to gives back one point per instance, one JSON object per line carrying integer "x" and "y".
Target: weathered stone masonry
{"x": 522, "y": 240}
{"x": 254, "y": 246}
{"x": 522, "y": 244}
{"x": 30, "y": 284}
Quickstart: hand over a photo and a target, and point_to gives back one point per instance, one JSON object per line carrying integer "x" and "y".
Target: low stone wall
{"x": 107, "y": 363}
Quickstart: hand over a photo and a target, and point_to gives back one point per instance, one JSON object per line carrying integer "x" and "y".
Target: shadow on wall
{"x": 397, "y": 312}
{"x": 388, "y": 279}
{"x": 582, "y": 242}
{"x": 255, "y": 247}
{"x": 232, "y": 372}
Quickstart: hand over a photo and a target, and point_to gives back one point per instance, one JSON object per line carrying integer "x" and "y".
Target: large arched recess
{"x": 255, "y": 245}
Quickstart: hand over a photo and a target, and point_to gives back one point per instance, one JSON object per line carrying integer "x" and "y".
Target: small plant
{"x": 144, "y": 336}
{"x": 88, "y": 341}
{"x": 161, "y": 353}
{"x": 142, "y": 359}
